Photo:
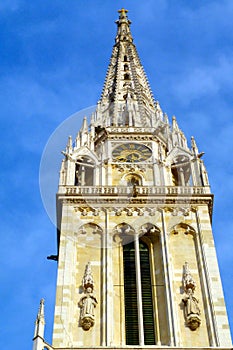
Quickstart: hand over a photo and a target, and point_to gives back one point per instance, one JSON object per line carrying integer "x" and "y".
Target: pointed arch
{"x": 91, "y": 235}
{"x": 84, "y": 171}
{"x": 144, "y": 288}
{"x": 133, "y": 179}
{"x": 151, "y": 235}
{"x": 180, "y": 167}
{"x": 123, "y": 233}
{"x": 149, "y": 230}
{"x": 90, "y": 227}
{"x": 182, "y": 227}
{"x": 183, "y": 238}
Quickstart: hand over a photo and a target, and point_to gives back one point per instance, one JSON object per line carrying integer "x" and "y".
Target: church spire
{"x": 38, "y": 340}
{"x": 123, "y": 27}
{"x": 126, "y": 98}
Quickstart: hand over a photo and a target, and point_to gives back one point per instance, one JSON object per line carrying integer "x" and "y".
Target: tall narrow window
{"x": 147, "y": 301}
{"x": 131, "y": 311}
{"x": 131, "y": 295}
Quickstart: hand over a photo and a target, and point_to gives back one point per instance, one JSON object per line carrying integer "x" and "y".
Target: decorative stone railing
{"x": 137, "y": 190}
{"x": 118, "y": 129}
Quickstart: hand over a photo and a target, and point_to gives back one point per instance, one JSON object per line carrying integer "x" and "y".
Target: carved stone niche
{"x": 150, "y": 231}
{"x": 191, "y": 308}
{"x": 88, "y": 301}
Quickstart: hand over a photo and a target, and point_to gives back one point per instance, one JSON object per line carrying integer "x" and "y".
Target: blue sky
{"x": 53, "y": 61}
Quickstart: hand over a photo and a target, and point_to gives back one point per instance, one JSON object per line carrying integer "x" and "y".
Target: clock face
{"x": 131, "y": 153}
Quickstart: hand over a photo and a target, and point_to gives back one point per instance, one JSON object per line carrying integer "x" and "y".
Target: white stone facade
{"x": 130, "y": 177}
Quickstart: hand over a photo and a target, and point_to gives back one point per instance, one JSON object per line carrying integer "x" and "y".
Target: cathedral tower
{"x": 136, "y": 263}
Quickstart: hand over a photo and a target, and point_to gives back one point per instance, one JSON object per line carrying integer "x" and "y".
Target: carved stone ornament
{"x": 87, "y": 302}
{"x": 188, "y": 281}
{"x": 191, "y": 308}
{"x": 129, "y": 167}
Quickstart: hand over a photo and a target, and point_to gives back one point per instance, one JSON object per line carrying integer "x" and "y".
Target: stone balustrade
{"x": 137, "y": 190}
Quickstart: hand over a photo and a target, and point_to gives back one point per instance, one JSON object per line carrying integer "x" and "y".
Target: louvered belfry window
{"x": 131, "y": 295}
{"x": 131, "y": 310}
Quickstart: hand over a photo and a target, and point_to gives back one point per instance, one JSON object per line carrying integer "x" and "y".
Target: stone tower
{"x": 136, "y": 263}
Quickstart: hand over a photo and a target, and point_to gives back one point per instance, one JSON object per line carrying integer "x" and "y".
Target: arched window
{"x": 126, "y": 76}
{"x": 133, "y": 180}
{"x": 145, "y": 296}
{"x": 147, "y": 302}
{"x": 125, "y": 59}
{"x": 138, "y": 290}
{"x": 84, "y": 172}
{"x": 181, "y": 171}
{"x": 130, "y": 289}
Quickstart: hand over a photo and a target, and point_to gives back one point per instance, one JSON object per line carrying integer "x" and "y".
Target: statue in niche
{"x": 88, "y": 302}
{"x": 191, "y": 308}
{"x": 129, "y": 110}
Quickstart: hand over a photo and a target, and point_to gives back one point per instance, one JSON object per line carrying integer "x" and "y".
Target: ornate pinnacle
{"x": 188, "y": 281}
{"x": 123, "y": 13}
{"x": 88, "y": 281}
{"x": 194, "y": 146}
{"x": 69, "y": 146}
{"x": 174, "y": 124}
{"x": 40, "y": 321}
{"x": 123, "y": 26}
{"x": 40, "y": 314}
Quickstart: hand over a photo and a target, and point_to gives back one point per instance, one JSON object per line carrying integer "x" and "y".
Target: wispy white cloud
{"x": 205, "y": 80}
{"x": 54, "y": 65}
{"x": 213, "y": 14}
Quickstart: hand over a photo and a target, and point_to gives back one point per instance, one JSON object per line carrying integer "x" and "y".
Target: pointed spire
{"x": 69, "y": 146}
{"x": 62, "y": 173}
{"x": 40, "y": 321}
{"x": 158, "y": 111}
{"x": 175, "y": 126}
{"x": 84, "y": 135}
{"x": 84, "y": 127}
{"x": 77, "y": 141}
{"x": 194, "y": 146}
{"x": 126, "y": 99}
{"x": 38, "y": 340}
{"x": 166, "y": 120}
{"x": 123, "y": 24}
{"x": 88, "y": 281}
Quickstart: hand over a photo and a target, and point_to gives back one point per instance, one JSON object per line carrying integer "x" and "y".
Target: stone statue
{"x": 191, "y": 308}
{"x": 129, "y": 110}
{"x": 88, "y": 302}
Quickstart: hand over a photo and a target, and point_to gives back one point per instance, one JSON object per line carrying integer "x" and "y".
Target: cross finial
{"x": 122, "y": 12}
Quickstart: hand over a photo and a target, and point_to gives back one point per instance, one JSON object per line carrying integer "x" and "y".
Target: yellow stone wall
{"x": 83, "y": 240}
